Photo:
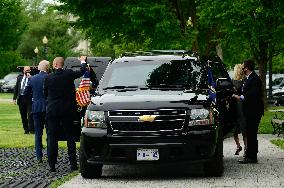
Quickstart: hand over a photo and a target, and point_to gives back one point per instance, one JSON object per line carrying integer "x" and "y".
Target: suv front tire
{"x": 214, "y": 167}
{"x": 88, "y": 171}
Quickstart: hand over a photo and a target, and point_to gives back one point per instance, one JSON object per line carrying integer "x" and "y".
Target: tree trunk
{"x": 180, "y": 15}
{"x": 262, "y": 73}
{"x": 193, "y": 15}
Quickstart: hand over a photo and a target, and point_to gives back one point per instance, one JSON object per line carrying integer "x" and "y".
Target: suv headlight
{"x": 199, "y": 113}
{"x": 200, "y": 116}
{"x": 95, "y": 119}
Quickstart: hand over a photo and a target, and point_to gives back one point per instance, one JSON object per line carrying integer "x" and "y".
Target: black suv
{"x": 153, "y": 108}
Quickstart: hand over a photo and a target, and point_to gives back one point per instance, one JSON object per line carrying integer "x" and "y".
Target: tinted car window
{"x": 277, "y": 81}
{"x": 184, "y": 73}
{"x": 218, "y": 71}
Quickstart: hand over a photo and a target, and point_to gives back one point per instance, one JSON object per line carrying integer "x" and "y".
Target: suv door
{"x": 98, "y": 64}
{"x": 224, "y": 102}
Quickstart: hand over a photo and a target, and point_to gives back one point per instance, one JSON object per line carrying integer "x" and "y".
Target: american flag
{"x": 83, "y": 91}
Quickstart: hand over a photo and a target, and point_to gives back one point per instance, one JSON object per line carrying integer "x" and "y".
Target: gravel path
{"x": 269, "y": 172}
{"x": 19, "y": 168}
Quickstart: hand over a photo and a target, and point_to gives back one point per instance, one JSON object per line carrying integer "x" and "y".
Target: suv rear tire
{"x": 89, "y": 171}
{"x": 214, "y": 167}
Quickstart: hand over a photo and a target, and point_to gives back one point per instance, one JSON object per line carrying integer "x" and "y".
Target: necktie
{"x": 23, "y": 86}
{"x": 245, "y": 80}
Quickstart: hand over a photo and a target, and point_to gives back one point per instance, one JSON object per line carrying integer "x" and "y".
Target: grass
{"x": 265, "y": 126}
{"x": 278, "y": 142}
{"x": 12, "y": 132}
{"x": 6, "y": 95}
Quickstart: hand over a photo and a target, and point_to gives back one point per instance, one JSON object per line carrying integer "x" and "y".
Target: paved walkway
{"x": 6, "y": 100}
{"x": 269, "y": 172}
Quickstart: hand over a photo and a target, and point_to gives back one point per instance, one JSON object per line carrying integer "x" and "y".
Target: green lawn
{"x": 6, "y": 96}
{"x": 11, "y": 130}
{"x": 278, "y": 142}
{"x": 265, "y": 123}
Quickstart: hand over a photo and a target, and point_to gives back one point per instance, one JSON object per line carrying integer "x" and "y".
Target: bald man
{"x": 59, "y": 90}
{"x": 24, "y": 101}
{"x": 35, "y": 88}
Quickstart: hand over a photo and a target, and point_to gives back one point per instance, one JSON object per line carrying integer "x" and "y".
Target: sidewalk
{"x": 269, "y": 172}
{"x": 6, "y": 100}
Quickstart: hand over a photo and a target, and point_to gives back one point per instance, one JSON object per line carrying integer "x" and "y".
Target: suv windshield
{"x": 179, "y": 74}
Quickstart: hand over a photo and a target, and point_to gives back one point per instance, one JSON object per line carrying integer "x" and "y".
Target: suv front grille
{"x": 130, "y": 120}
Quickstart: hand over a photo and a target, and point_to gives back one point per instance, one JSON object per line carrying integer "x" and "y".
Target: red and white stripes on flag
{"x": 83, "y": 91}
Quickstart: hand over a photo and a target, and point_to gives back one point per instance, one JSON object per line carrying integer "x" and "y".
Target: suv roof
{"x": 155, "y": 55}
{"x": 34, "y": 69}
{"x": 154, "y": 58}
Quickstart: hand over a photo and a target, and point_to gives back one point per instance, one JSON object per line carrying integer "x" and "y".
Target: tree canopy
{"x": 235, "y": 30}
{"x": 12, "y": 24}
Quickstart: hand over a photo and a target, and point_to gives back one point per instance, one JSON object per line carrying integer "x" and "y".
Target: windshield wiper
{"x": 120, "y": 87}
{"x": 165, "y": 86}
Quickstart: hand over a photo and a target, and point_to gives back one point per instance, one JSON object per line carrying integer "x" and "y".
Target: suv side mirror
{"x": 224, "y": 84}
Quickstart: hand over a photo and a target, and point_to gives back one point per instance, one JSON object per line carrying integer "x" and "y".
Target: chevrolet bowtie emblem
{"x": 147, "y": 118}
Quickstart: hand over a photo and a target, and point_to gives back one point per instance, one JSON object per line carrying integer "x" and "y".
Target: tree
{"x": 257, "y": 23}
{"x": 9, "y": 61}
{"x": 134, "y": 25}
{"x": 12, "y": 24}
{"x": 233, "y": 29}
{"x": 158, "y": 24}
{"x": 62, "y": 37}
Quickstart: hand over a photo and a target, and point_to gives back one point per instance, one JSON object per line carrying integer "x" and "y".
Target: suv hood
{"x": 147, "y": 100}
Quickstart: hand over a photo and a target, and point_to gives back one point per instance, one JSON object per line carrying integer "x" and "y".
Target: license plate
{"x": 147, "y": 154}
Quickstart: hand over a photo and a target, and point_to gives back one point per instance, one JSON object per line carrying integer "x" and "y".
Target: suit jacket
{"x": 252, "y": 92}
{"x": 17, "y": 89}
{"x": 59, "y": 90}
{"x": 35, "y": 88}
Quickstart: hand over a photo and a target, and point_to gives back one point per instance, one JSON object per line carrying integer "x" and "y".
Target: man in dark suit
{"x": 59, "y": 90}
{"x": 24, "y": 101}
{"x": 35, "y": 88}
{"x": 253, "y": 109}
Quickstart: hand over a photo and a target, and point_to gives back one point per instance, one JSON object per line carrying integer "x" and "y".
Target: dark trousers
{"x": 25, "y": 107}
{"x": 251, "y": 133}
{"x": 39, "y": 122}
{"x": 53, "y": 126}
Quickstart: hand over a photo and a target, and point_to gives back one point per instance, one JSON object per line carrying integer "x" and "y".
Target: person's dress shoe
{"x": 247, "y": 161}
{"x": 245, "y": 154}
{"x": 26, "y": 132}
{"x": 238, "y": 150}
{"x": 52, "y": 169}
